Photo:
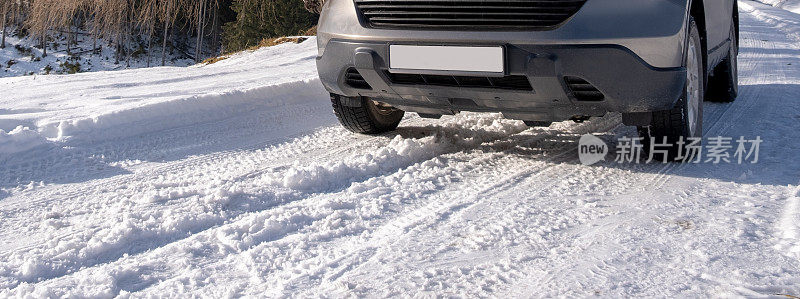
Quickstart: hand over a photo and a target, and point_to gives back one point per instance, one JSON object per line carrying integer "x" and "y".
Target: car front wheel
{"x": 365, "y": 116}
{"x": 686, "y": 119}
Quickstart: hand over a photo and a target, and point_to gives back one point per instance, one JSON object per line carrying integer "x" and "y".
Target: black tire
{"x": 723, "y": 85}
{"x": 364, "y": 116}
{"x": 676, "y": 124}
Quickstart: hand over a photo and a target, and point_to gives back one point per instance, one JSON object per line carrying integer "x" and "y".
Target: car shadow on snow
{"x": 768, "y": 111}
{"x": 771, "y": 111}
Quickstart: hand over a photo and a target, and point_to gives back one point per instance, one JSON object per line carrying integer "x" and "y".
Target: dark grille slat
{"x": 432, "y": 20}
{"x": 508, "y": 82}
{"x": 465, "y": 13}
{"x": 590, "y": 96}
{"x": 582, "y": 90}
{"x": 468, "y": 14}
{"x": 354, "y": 79}
{"x": 582, "y": 87}
{"x": 462, "y": 2}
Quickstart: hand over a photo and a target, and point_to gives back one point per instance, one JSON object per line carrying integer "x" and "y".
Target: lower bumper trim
{"x": 535, "y": 84}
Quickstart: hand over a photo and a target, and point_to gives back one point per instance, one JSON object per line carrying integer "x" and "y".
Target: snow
{"x": 398, "y": 153}
{"x": 786, "y": 21}
{"x": 19, "y": 139}
{"x": 788, "y": 225}
{"x": 234, "y": 179}
{"x": 23, "y": 57}
{"x": 790, "y": 5}
{"x": 105, "y": 105}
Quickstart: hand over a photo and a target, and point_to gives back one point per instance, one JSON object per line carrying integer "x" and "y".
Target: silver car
{"x": 539, "y": 61}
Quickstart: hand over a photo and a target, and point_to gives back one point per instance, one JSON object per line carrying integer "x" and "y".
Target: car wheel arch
{"x": 696, "y": 10}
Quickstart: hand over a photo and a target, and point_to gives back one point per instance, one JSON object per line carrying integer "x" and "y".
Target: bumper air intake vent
{"x": 583, "y": 90}
{"x": 507, "y": 82}
{"x": 354, "y": 79}
{"x": 468, "y": 14}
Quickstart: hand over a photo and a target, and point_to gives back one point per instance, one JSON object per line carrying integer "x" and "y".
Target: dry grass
{"x": 213, "y": 60}
{"x": 311, "y": 31}
{"x": 268, "y": 42}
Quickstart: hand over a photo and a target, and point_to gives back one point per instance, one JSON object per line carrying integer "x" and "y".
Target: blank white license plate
{"x": 447, "y": 58}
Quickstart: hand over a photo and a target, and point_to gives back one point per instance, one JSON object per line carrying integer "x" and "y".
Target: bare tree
{"x": 64, "y": 18}
{"x": 215, "y": 28}
{"x": 199, "y": 13}
{"x": 168, "y": 14}
{"x": 121, "y": 23}
{"x": 5, "y": 6}
{"x": 147, "y": 18}
{"x": 41, "y": 19}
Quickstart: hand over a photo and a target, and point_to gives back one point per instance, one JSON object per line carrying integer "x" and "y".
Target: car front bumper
{"x": 630, "y": 50}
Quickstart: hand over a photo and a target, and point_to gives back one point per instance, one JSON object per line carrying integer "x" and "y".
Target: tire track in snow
{"x": 495, "y": 208}
{"x": 343, "y": 141}
{"x": 291, "y": 205}
{"x": 723, "y": 117}
{"x": 723, "y": 121}
{"x": 299, "y": 205}
{"x": 22, "y": 203}
{"x": 398, "y": 230}
{"x": 369, "y": 139}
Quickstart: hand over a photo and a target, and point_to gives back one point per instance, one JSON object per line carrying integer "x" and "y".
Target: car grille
{"x": 468, "y": 14}
{"x": 354, "y": 79}
{"x": 507, "y": 82}
{"x": 582, "y": 90}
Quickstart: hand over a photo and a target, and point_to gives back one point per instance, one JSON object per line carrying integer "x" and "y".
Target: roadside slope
{"x": 104, "y": 105}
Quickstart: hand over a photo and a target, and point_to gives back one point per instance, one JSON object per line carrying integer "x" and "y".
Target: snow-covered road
{"x": 235, "y": 179}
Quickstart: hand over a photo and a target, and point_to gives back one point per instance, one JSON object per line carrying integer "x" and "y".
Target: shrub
{"x": 70, "y": 67}
{"x": 22, "y": 49}
{"x": 262, "y": 19}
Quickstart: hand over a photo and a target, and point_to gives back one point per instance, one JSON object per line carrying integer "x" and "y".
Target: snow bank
{"x": 107, "y": 105}
{"x": 467, "y": 131}
{"x": 790, "y": 5}
{"x": 181, "y": 112}
{"x": 786, "y": 20}
{"x": 397, "y": 153}
{"x": 19, "y": 139}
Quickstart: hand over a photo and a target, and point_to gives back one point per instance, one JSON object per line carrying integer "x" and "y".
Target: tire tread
{"x": 359, "y": 119}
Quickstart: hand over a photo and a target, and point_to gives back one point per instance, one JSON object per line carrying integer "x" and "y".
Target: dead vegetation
{"x": 267, "y": 42}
